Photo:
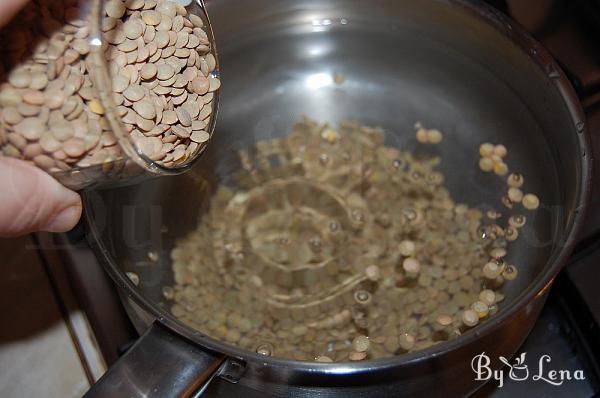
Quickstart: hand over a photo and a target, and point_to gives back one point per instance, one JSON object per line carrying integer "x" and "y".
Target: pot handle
{"x": 160, "y": 364}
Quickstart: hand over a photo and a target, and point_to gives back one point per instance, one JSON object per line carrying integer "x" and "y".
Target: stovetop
{"x": 569, "y": 327}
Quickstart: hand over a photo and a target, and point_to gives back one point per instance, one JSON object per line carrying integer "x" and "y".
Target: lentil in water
{"x": 335, "y": 248}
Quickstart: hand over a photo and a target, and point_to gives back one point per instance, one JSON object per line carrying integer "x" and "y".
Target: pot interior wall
{"x": 402, "y": 63}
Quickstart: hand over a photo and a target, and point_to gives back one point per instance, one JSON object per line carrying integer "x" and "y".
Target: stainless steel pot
{"x": 455, "y": 64}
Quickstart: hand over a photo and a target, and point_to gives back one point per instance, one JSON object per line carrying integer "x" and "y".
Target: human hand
{"x": 8, "y": 8}
{"x": 31, "y": 200}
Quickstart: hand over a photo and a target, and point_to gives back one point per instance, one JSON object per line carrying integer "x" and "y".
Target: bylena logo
{"x": 519, "y": 371}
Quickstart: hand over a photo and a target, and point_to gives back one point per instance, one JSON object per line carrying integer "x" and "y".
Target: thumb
{"x": 8, "y": 8}
{"x": 31, "y": 200}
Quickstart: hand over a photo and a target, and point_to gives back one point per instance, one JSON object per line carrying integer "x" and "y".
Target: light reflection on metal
{"x": 316, "y": 81}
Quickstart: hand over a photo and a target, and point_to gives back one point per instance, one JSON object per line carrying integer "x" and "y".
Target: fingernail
{"x": 65, "y": 220}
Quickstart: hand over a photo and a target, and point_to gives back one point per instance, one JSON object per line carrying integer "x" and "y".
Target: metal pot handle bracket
{"x": 160, "y": 364}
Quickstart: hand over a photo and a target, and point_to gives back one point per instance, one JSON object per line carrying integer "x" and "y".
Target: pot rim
{"x": 537, "y": 288}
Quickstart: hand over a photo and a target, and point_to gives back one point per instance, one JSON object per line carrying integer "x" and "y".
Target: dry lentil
{"x": 199, "y": 136}
{"x": 52, "y": 83}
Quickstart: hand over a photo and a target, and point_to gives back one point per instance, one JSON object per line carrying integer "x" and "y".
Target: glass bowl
{"x": 71, "y": 85}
